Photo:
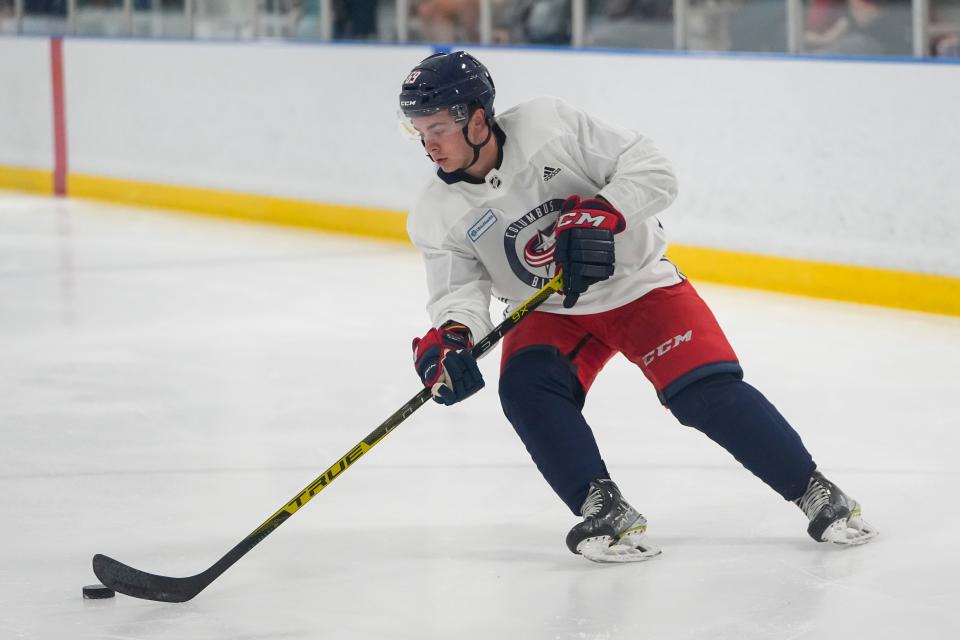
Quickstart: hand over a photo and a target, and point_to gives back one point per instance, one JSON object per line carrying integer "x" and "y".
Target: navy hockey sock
{"x": 542, "y": 398}
{"x": 741, "y": 420}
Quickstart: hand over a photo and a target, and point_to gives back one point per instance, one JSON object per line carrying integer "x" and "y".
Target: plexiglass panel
{"x": 8, "y": 23}
{"x": 858, "y": 27}
{"x": 229, "y": 19}
{"x": 630, "y": 24}
{"x": 827, "y": 27}
{"x": 160, "y": 19}
{"x": 736, "y": 25}
{"x": 44, "y": 17}
{"x": 547, "y": 22}
{"x": 101, "y": 18}
{"x": 365, "y": 20}
{"x": 280, "y": 18}
{"x": 443, "y": 21}
{"x": 945, "y": 28}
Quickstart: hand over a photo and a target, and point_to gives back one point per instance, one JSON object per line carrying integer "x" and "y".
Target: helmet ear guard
{"x": 461, "y": 113}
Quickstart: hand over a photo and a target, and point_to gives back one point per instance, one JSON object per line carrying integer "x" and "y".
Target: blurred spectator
{"x": 822, "y": 17}
{"x": 737, "y": 25}
{"x": 44, "y": 17}
{"x": 284, "y": 20}
{"x": 6, "y": 17}
{"x": 230, "y": 19}
{"x": 642, "y": 24}
{"x": 447, "y": 20}
{"x": 549, "y": 22}
{"x": 49, "y": 7}
{"x": 354, "y": 19}
{"x": 945, "y": 28}
{"x": 758, "y": 25}
{"x": 532, "y": 21}
{"x": 708, "y": 24}
{"x": 858, "y": 27}
{"x": 146, "y": 5}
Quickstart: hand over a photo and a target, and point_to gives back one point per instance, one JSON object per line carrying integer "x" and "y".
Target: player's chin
{"x": 446, "y": 164}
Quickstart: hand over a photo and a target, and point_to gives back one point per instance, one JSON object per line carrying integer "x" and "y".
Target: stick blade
{"x": 146, "y": 586}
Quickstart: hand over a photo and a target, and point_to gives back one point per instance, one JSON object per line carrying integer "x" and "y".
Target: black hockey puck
{"x": 98, "y": 592}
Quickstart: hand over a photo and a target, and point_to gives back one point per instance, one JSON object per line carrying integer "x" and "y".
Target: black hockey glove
{"x": 585, "y": 247}
{"x": 444, "y": 363}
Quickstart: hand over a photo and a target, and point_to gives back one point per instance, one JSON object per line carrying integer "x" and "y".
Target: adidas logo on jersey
{"x": 549, "y": 172}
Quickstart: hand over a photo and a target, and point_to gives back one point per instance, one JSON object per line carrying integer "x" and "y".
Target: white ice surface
{"x": 167, "y": 382}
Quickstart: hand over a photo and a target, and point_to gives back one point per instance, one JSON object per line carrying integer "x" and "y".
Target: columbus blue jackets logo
{"x": 529, "y": 243}
{"x": 539, "y": 251}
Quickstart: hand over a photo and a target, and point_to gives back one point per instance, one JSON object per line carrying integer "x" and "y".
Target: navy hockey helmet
{"x": 454, "y": 81}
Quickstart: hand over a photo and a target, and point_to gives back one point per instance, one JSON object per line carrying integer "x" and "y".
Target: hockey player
{"x": 544, "y": 186}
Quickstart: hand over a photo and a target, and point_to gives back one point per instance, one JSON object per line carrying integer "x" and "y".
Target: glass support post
{"x": 403, "y": 28}
{"x": 18, "y": 16}
{"x": 794, "y": 26}
{"x": 188, "y": 12}
{"x": 578, "y": 22}
{"x": 156, "y": 19}
{"x": 486, "y": 22}
{"x": 921, "y": 28}
{"x": 680, "y": 25}
{"x": 71, "y": 16}
{"x": 128, "y": 16}
{"x": 325, "y": 22}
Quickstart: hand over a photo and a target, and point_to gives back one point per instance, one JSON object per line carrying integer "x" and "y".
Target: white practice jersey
{"x": 495, "y": 236}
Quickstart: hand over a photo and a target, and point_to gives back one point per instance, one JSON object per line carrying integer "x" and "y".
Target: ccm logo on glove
{"x": 590, "y": 214}
{"x": 585, "y": 248}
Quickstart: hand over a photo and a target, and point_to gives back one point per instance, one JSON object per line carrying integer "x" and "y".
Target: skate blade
{"x": 849, "y": 533}
{"x": 601, "y": 549}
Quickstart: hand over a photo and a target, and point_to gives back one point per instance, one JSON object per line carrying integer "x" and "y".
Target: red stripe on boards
{"x": 59, "y": 119}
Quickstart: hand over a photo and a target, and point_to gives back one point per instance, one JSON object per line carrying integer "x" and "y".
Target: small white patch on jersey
{"x": 481, "y": 226}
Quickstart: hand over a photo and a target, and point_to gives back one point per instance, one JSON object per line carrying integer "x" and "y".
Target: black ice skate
{"x": 612, "y": 530}
{"x": 834, "y": 516}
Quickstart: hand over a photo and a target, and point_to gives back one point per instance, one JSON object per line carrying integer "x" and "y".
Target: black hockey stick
{"x": 148, "y": 586}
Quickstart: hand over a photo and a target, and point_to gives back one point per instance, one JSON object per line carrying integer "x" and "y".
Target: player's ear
{"x": 479, "y": 117}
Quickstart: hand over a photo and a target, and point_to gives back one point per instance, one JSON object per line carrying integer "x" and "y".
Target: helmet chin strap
{"x": 476, "y": 147}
